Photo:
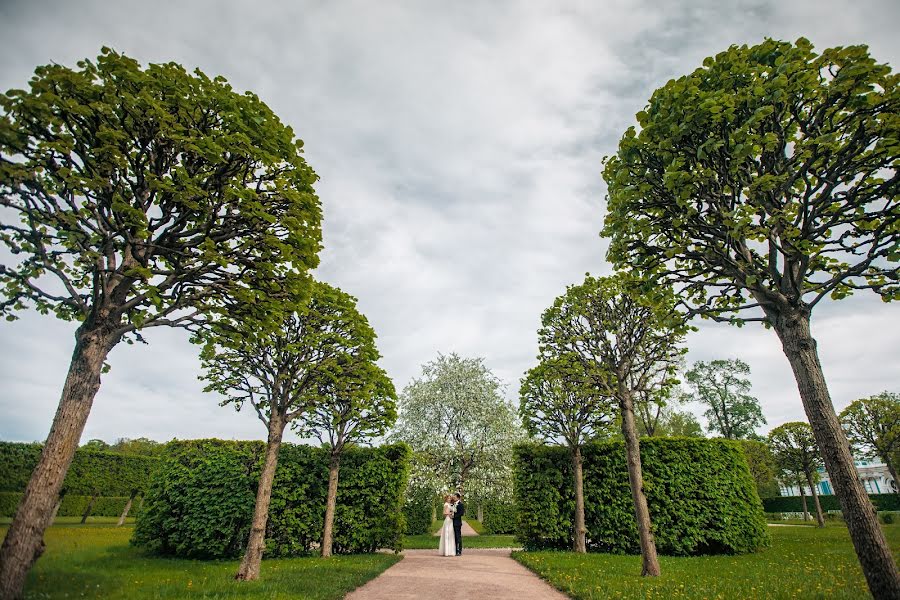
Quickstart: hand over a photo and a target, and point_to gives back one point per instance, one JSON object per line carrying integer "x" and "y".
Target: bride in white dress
{"x": 448, "y": 540}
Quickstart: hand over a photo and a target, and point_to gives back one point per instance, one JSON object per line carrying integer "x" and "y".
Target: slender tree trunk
{"x": 250, "y": 564}
{"x": 890, "y": 467}
{"x": 89, "y": 507}
{"x": 126, "y": 509}
{"x": 480, "y": 515}
{"x": 803, "y": 499}
{"x": 579, "y": 544}
{"x": 868, "y": 539}
{"x": 334, "y": 467}
{"x": 650, "y": 562}
{"x": 820, "y": 518}
{"x": 24, "y": 540}
{"x": 56, "y": 508}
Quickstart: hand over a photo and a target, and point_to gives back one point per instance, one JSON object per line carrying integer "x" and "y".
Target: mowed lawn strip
{"x": 802, "y": 562}
{"x": 97, "y": 562}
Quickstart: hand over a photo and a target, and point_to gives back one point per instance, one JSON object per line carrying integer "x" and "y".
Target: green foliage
{"x": 784, "y": 504}
{"x": 723, "y": 386}
{"x": 108, "y": 473}
{"x": 795, "y": 451}
{"x": 701, "y": 496}
{"x": 737, "y": 186}
{"x": 142, "y": 446}
{"x": 762, "y": 467}
{"x": 678, "y": 423}
{"x": 873, "y": 426}
{"x": 417, "y": 510}
{"x": 200, "y": 504}
{"x": 74, "y": 505}
{"x": 500, "y": 517}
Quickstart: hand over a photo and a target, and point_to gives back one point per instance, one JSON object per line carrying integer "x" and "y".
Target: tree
{"x": 762, "y": 467}
{"x": 724, "y": 386}
{"x": 136, "y": 198}
{"x": 456, "y": 421}
{"x": 677, "y": 423}
{"x": 559, "y": 403}
{"x": 794, "y": 448}
{"x": 760, "y": 185}
{"x": 282, "y": 374}
{"x": 623, "y": 335}
{"x": 95, "y": 445}
{"x": 873, "y": 426}
{"x": 357, "y": 404}
{"x": 140, "y": 446}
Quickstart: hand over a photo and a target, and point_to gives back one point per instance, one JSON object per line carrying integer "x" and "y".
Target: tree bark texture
{"x": 579, "y": 544}
{"x": 868, "y": 539}
{"x": 480, "y": 515}
{"x": 649, "y": 560}
{"x": 890, "y": 466}
{"x": 803, "y": 500}
{"x": 126, "y": 510}
{"x": 24, "y": 539}
{"x": 820, "y": 518}
{"x": 89, "y": 507}
{"x": 256, "y": 544}
{"x": 334, "y": 467}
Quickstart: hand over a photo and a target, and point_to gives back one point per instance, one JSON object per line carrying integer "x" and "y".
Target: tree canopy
{"x": 723, "y": 386}
{"x": 873, "y": 427}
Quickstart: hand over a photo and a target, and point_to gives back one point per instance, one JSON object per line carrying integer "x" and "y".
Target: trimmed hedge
{"x": 73, "y": 506}
{"x": 200, "y": 502}
{"x": 499, "y": 517}
{"x": 417, "y": 510}
{"x": 108, "y": 473}
{"x": 779, "y": 504}
{"x": 701, "y": 496}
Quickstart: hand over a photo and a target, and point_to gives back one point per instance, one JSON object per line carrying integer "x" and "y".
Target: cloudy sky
{"x": 459, "y": 146}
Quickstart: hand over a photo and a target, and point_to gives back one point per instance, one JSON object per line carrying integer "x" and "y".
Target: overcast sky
{"x": 459, "y": 146}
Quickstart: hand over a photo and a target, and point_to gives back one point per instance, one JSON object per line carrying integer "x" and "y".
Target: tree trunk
{"x": 890, "y": 467}
{"x": 480, "y": 516}
{"x": 334, "y": 467}
{"x": 868, "y": 539}
{"x": 579, "y": 544}
{"x": 820, "y": 518}
{"x": 650, "y": 563}
{"x": 250, "y": 564}
{"x": 803, "y": 499}
{"x": 126, "y": 509}
{"x": 24, "y": 539}
{"x": 56, "y": 508}
{"x": 89, "y": 507}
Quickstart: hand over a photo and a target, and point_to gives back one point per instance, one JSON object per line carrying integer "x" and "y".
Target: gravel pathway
{"x": 488, "y": 574}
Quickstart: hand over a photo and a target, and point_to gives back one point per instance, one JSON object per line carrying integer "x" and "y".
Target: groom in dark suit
{"x": 457, "y": 523}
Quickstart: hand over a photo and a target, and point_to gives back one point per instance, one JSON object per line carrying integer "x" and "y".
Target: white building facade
{"x": 873, "y": 473}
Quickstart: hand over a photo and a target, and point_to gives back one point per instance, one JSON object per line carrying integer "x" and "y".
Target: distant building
{"x": 874, "y": 475}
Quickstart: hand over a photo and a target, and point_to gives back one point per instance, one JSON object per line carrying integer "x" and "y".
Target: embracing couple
{"x": 451, "y": 532}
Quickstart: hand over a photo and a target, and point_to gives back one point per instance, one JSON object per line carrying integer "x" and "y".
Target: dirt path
{"x": 488, "y": 574}
{"x": 466, "y": 530}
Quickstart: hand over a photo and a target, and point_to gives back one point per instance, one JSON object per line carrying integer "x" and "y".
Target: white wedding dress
{"x": 448, "y": 540}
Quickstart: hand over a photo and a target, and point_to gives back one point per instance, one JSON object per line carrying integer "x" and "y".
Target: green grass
{"x": 97, "y": 562}
{"x": 802, "y": 562}
{"x": 77, "y": 521}
{"x": 428, "y": 541}
{"x": 476, "y": 525}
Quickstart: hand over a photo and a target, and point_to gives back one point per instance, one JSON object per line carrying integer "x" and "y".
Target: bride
{"x": 448, "y": 540}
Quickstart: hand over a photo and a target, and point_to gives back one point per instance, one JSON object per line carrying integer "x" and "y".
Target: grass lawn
{"x": 802, "y": 562}
{"x": 428, "y": 541}
{"x": 476, "y": 525}
{"x": 96, "y": 561}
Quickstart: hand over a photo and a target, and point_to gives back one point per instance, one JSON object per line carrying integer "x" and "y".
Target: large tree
{"x": 873, "y": 426}
{"x": 560, "y": 403}
{"x": 723, "y": 386}
{"x": 762, "y": 184}
{"x": 794, "y": 448}
{"x": 456, "y": 420}
{"x": 355, "y": 404}
{"x": 282, "y": 375}
{"x": 136, "y": 198}
{"x": 623, "y": 334}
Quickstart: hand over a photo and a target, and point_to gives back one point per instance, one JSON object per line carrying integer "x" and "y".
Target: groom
{"x": 460, "y": 509}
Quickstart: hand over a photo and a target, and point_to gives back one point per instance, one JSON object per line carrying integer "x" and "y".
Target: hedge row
{"x": 74, "y": 506}
{"x": 781, "y": 504}
{"x": 108, "y": 473}
{"x": 499, "y": 517}
{"x": 701, "y": 496}
{"x": 418, "y": 510}
{"x": 200, "y": 502}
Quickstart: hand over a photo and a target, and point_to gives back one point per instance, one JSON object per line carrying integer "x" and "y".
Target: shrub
{"x": 887, "y": 517}
{"x": 200, "y": 503}
{"x": 499, "y": 517}
{"x": 882, "y": 502}
{"x": 417, "y": 510}
{"x": 701, "y": 495}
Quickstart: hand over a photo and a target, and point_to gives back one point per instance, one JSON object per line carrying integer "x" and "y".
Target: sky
{"x": 459, "y": 146}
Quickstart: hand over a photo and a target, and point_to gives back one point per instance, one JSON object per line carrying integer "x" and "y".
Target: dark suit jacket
{"x": 460, "y": 512}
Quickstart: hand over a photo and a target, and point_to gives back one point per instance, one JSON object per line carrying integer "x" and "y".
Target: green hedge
{"x": 73, "y": 506}
{"x": 417, "y": 510}
{"x": 882, "y": 502}
{"x": 499, "y": 517}
{"x": 108, "y": 473}
{"x": 701, "y": 495}
{"x": 200, "y": 502}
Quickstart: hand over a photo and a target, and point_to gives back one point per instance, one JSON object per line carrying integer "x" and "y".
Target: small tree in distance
{"x": 560, "y": 403}
{"x": 135, "y": 198}
{"x": 723, "y": 386}
{"x": 282, "y": 374}
{"x": 794, "y": 448}
{"x": 759, "y": 185}
{"x": 873, "y": 426}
